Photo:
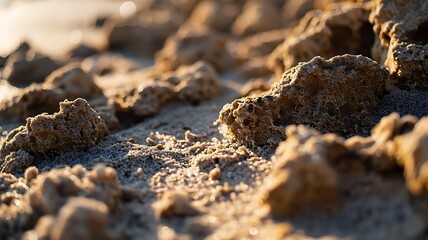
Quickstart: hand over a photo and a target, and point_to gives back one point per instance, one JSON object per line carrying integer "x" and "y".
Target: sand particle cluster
{"x": 220, "y": 119}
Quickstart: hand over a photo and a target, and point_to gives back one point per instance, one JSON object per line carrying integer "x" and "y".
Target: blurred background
{"x": 53, "y": 26}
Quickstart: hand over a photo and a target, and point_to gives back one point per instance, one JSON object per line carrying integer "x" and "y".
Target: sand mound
{"x": 214, "y": 119}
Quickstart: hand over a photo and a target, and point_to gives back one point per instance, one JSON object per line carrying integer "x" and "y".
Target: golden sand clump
{"x": 51, "y": 190}
{"x": 176, "y": 204}
{"x": 16, "y": 162}
{"x": 75, "y": 126}
{"x": 69, "y": 82}
{"x": 193, "y": 83}
{"x": 411, "y": 151}
{"x": 257, "y": 16}
{"x": 91, "y": 215}
{"x": 309, "y": 168}
{"x": 302, "y": 175}
{"x": 214, "y": 15}
{"x": 25, "y": 66}
{"x": 402, "y": 42}
{"x": 282, "y": 162}
{"x": 343, "y": 30}
{"x": 336, "y": 95}
{"x": 53, "y": 194}
{"x": 189, "y": 45}
{"x": 381, "y": 142}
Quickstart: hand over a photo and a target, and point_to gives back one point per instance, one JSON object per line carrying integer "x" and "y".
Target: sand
{"x": 179, "y": 175}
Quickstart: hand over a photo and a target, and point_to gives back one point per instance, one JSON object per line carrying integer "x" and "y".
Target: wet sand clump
{"x": 337, "y": 95}
{"x": 193, "y": 84}
{"x": 309, "y": 168}
{"x": 402, "y": 42}
{"x": 75, "y": 126}
{"x": 52, "y": 201}
{"x": 214, "y": 119}
{"x": 69, "y": 82}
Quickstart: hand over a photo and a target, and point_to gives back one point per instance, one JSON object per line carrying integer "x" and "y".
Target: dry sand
{"x": 181, "y": 177}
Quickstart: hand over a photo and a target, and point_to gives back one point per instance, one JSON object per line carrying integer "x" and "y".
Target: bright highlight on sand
{"x": 127, "y": 9}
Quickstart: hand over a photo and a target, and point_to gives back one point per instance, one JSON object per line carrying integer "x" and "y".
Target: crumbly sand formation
{"x": 214, "y": 119}
{"x": 75, "y": 126}
{"x": 337, "y": 95}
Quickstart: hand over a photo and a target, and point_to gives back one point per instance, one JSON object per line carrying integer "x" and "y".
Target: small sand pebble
{"x": 31, "y": 173}
{"x": 190, "y": 136}
{"x": 150, "y": 141}
{"x": 227, "y": 188}
{"x": 159, "y": 147}
{"x": 215, "y": 174}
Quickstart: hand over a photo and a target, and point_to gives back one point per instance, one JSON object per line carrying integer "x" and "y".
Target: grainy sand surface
{"x": 178, "y": 150}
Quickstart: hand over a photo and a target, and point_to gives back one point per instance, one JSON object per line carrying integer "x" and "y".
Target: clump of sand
{"x": 136, "y": 151}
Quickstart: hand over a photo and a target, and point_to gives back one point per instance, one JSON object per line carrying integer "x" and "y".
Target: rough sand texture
{"x": 138, "y": 150}
{"x": 402, "y": 45}
{"x": 335, "y": 95}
